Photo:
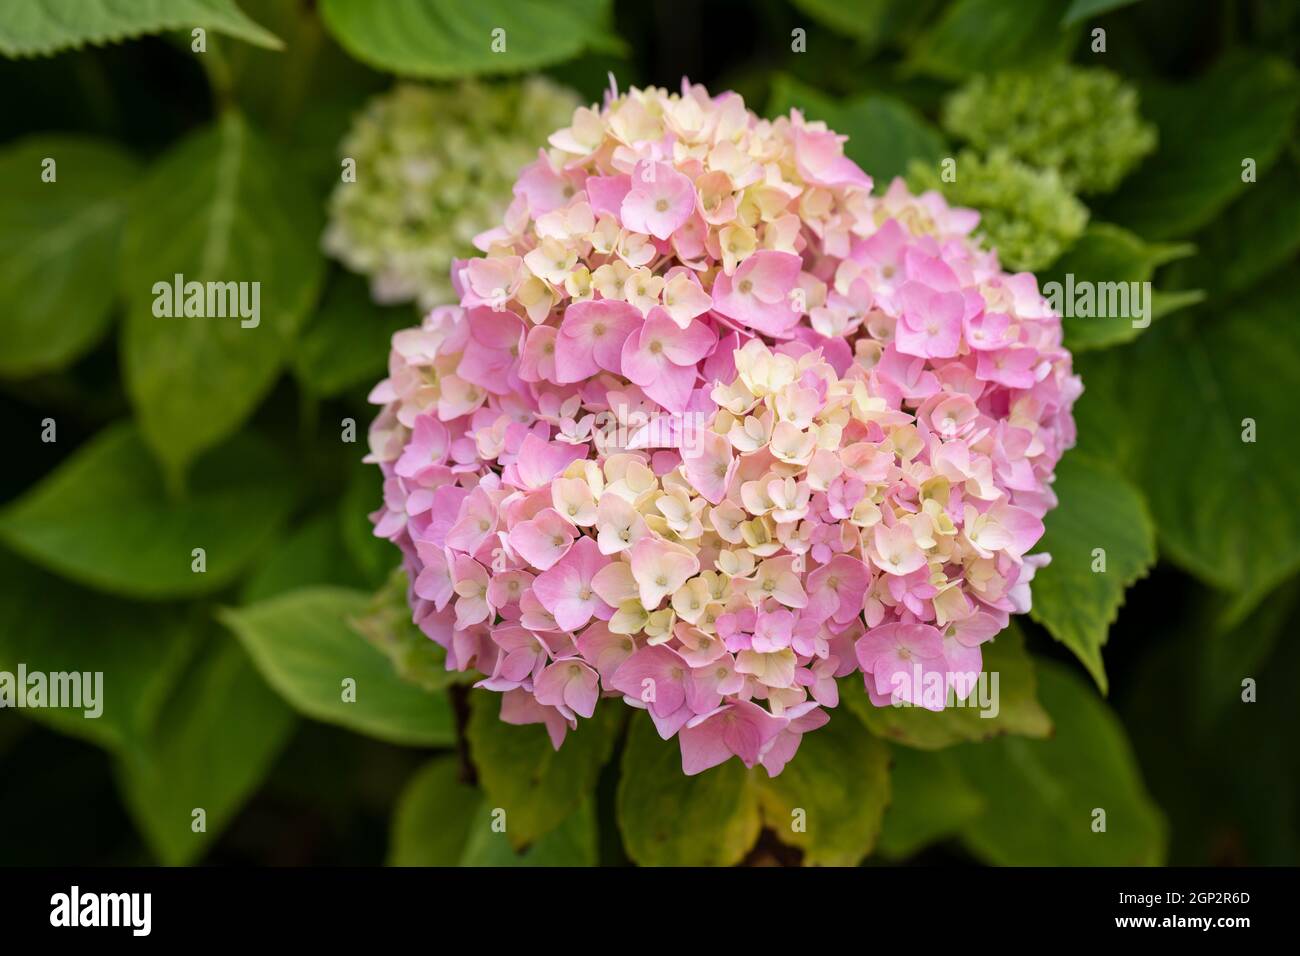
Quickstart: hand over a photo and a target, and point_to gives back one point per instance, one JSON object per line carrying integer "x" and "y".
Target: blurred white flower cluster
{"x": 433, "y": 168}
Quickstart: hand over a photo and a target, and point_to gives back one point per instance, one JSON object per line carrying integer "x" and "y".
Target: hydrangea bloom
{"x": 1026, "y": 214}
{"x": 713, "y": 427}
{"x": 1084, "y": 123}
{"x": 433, "y": 169}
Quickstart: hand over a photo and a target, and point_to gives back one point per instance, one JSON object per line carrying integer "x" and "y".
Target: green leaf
{"x": 1013, "y": 707}
{"x": 1106, "y": 430}
{"x": 884, "y": 133}
{"x": 898, "y": 134}
{"x": 1096, "y": 275}
{"x": 446, "y": 39}
{"x": 1239, "y": 806}
{"x": 859, "y": 19}
{"x": 1168, "y": 302}
{"x": 221, "y": 207}
{"x": 58, "y": 248}
{"x": 1072, "y": 598}
{"x": 867, "y": 21}
{"x": 388, "y": 625}
{"x": 347, "y": 343}
{"x": 1230, "y": 650}
{"x": 305, "y": 647}
{"x": 305, "y": 94}
{"x": 105, "y": 519}
{"x": 441, "y": 821}
{"x": 1249, "y": 101}
{"x": 1080, "y": 10}
{"x": 932, "y": 801}
{"x": 215, "y": 740}
{"x": 840, "y": 780}
{"x": 572, "y": 843}
{"x": 521, "y": 773}
{"x": 54, "y": 627}
{"x": 42, "y": 27}
{"x": 1257, "y": 234}
{"x": 1177, "y": 406}
{"x": 670, "y": 819}
{"x": 1041, "y": 796}
{"x": 312, "y": 554}
{"x": 376, "y": 557}
{"x": 433, "y": 817}
{"x": 980, "y": 36}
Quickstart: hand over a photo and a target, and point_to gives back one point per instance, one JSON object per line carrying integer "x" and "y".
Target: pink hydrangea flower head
{"x": 714, "y": 427}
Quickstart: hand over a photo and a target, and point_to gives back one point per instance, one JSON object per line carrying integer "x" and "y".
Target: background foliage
{"x": 1123, "y": 690}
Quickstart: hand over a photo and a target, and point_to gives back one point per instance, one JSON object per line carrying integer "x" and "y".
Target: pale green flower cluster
{"x": 1083, "y": 123}
{"x": 1026, "y": 214}
{"x": 434, "y": 167}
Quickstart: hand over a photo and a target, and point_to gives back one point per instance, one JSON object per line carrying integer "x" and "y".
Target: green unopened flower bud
{"x": 1084, "y": 123}
{"x": 1026, "y": 214}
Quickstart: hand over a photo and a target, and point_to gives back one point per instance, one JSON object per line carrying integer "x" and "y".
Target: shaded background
{"x": 1225, "y": 776}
